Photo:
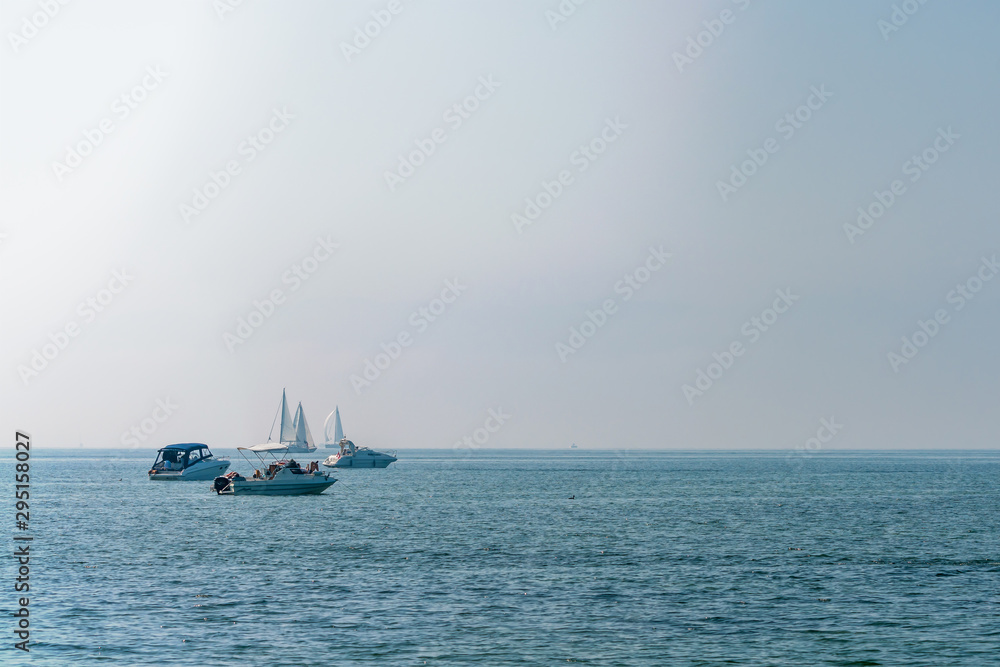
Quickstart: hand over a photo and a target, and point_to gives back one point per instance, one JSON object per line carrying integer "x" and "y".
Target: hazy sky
{"x": 370, "y": 176}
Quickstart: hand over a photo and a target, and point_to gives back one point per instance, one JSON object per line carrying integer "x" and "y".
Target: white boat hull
{"x": 258, "y": 487}
{"x": 284, "y": 482}
{"x": 358, "y": 462}
{"x": 199, "y": 472}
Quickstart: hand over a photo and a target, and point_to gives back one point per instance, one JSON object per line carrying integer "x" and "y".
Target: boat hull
{"x": 295, "y": 449}
{"x": 265, "y": 489}
{"x": 353, "y": 462}
{"x": 196, "y": 473}
{"x": 258, "y": 487}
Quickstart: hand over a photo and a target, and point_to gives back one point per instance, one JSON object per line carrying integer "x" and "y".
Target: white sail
{"x": 338, "y": 430}
{"x": 303, "y": 438}
{"x": 309, "y": 435}
{"x": 287, "y": 425}
{"x": 296, "y": 427}
{"x": 327, "y": 424}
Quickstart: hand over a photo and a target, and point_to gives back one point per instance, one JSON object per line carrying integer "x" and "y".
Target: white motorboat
{"x": 351, "y": 456}
{"x": 294, "y": 433}
{"x": 280, "y": 477}
{"x": 338, "y": 430}
{"x": 187, "y": 461}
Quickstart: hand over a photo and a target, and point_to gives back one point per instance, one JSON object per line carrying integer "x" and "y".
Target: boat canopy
{"x": 266, "y": 447}
{"x": 184, "y": 447}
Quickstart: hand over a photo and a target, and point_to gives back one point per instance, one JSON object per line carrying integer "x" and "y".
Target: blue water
{"x": 661, "y": 559}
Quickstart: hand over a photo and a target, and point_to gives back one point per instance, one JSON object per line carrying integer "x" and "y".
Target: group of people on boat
{"x": 291, "y": 464}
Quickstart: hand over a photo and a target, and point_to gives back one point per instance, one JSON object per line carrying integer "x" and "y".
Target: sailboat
{"x": 333, "y": 442}
{"x": 303, "y": 437}
{"x": 294, "y": 433}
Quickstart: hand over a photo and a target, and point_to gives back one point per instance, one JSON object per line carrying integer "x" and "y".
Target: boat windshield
{"x": 170, "y": 459}
{"x": 178, "y": 459}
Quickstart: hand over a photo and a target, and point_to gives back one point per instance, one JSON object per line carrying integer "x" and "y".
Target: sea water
{"x": 514, "y": 557}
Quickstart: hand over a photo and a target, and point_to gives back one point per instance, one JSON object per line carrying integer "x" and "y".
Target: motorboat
{"x": 293, "y": 433}
{"x": 351, "y": 456}
{"x": 333, "y": 441}
{"x": 187, "y": 461}
{"x": 279, "y": 477}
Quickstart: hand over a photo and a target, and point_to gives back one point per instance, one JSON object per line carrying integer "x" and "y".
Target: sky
{"x": 501, "y": 224}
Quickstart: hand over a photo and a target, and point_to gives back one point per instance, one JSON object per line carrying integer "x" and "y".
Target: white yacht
{"x": 294, "y": 433}
{"x": 351, "y": 456}
{"x": 187, "y": 461}
{"x": 280, "y": 477}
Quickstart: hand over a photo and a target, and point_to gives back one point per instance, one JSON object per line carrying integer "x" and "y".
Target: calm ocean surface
{"x": 661, "y": 559}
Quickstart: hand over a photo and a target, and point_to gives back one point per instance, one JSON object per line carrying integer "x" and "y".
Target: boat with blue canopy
{"x": 187, "y": 461}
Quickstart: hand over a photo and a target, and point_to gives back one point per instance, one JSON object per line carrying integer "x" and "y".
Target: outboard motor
{"x": 221, "y": 484}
